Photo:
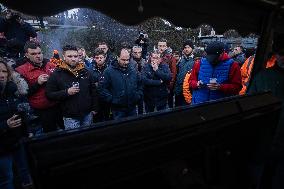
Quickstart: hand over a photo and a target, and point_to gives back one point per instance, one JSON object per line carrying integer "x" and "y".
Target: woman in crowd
{"x": 11, "y": 133}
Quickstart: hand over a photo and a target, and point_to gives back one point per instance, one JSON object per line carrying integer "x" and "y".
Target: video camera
{"x": 14, "y": 16}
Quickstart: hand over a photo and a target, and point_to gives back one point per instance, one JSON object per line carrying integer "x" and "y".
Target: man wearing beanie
{"x": 215, "y": 76}
{"x": 183, "y": 66}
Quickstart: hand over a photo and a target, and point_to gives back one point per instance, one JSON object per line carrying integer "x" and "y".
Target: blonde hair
{"x": 9, "y": 69}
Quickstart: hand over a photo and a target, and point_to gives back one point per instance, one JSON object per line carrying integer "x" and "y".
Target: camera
{"x": 28, "y": 119}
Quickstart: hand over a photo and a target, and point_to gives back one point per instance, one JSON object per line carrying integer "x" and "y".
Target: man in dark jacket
{"x": 272, "y": 79}
{"x": 156, "y": 76}
{"x": 36, "y": 71}
{"x": 137, "y": 62}
{"x": 12, "y": 130}
{"x": 73, "y": 86}
{"x": 183, "y": 66}
{"x": 14, "y": 28}
{"x": 121, "y": 87}
{"x": 97, "y": 68}
{"x": 215, "y": 76}
{"x": 109, "y": 57}
{"x": 167, "y": 58}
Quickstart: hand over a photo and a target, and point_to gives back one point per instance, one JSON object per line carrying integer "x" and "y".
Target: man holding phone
{"x": 74, "y": 87}
{"x": 215, "y": 76}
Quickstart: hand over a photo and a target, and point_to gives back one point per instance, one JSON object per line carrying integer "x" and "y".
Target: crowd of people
{"x": 71, "y": 90}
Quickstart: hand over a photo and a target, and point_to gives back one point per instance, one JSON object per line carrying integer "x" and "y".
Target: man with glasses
{"x": 121, "y": 86}
{"x": 73, "y": 86}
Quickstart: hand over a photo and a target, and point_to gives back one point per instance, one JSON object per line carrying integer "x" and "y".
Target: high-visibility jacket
{"x": 271, "y": 62}
{"x": 246, "y": 73}
{"x": 186, "y": 89}
{"x": 247, "y": 68}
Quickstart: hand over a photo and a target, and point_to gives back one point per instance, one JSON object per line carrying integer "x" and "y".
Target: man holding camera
{"x": 215, "y": 76}
{"x": 142, "y": 41}
{"x": 14, "y": 29}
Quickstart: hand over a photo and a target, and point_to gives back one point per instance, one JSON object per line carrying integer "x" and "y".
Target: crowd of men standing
{"x": 78, "y": 91}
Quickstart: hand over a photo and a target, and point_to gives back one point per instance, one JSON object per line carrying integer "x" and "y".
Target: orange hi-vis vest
{"x": 186, "y": 89}
{"x": 246, "y": 74}
{"x": 247, "y": 68}
{"x": 271, "y": 62}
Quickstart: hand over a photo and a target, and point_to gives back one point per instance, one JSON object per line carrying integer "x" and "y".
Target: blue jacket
{"x": 96, "y": 71}
{"x": 121, "y": 88}
{"x": 183, "y": 66}
{"x": 154, "y": 90}
{"x": 207, "y": 71}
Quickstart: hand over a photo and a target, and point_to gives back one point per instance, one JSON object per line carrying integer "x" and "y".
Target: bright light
{"x": 72, "y": 11}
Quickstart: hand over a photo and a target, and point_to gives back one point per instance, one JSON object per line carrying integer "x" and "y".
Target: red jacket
{"x": 31, "y": 73}
{"x": 235, "y": 79}
{"x": 171, "y": 61}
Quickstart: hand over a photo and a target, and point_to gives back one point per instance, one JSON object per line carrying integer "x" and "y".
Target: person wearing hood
{"x": 13, "y": 129}
{"x": 215, "y": 76}
{"x": 121, "y": 86}
{"x": 36, "y": 71}
{"x": 55, "y": 59}
{"x": 183, "y": 67}
{"x": 73, "y": 86}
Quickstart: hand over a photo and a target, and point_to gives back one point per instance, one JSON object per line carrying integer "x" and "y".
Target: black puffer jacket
{"x": 77, "y": 105}
{"x": 9, "y": 138}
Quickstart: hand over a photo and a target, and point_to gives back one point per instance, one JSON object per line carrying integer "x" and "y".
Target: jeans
{"x": 6, "y": 168}
{"x": 74, "y": 123}
{"x": 117, "y": 114}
